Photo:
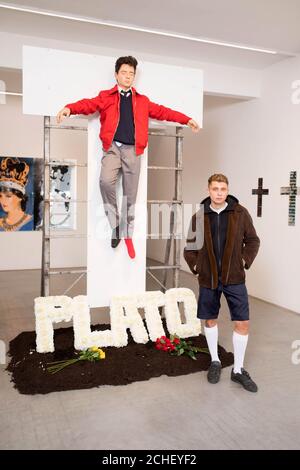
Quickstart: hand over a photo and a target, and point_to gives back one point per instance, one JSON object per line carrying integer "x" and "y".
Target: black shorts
{"x": 237, "y": 299}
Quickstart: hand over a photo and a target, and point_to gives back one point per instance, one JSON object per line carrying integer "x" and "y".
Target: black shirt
{"x": 218, "y": 227}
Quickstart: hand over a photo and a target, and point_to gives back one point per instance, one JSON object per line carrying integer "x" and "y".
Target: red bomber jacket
{"x": 107, "y": 103}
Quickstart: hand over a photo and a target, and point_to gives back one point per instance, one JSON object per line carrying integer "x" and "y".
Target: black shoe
{"x": 214, "y": 372}
{"x": 115, "y": 237}
{"x": 245, "y": 380}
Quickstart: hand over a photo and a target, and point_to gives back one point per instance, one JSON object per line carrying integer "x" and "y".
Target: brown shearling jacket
{"x": 241, "y": 247}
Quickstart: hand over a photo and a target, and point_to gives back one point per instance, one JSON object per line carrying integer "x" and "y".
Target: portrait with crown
{"x": 14, "y": 177}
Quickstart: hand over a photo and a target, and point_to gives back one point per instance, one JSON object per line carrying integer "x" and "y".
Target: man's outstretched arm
{"x": 85, "y": 106}
{"x": 157, "y": 111}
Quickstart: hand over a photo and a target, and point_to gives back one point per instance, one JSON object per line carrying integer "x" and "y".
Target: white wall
{"x": 246, "y": 140}
{"x": 22, "y": 136}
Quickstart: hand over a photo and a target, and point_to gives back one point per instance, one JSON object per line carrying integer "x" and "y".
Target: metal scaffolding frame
{"x": 175, "y": 218}
{"x": 46, "y": 270}
{"x": 175, "y": 232}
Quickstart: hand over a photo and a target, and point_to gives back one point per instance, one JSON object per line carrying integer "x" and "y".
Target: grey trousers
{"x": 120, "y": 159}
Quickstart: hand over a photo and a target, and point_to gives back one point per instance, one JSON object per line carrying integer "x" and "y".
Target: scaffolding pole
{"x": 178, "y": 208}
{"x": 45, "y": 282}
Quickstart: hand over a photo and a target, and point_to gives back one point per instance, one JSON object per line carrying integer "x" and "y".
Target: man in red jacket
{"x": 124, "y": 115}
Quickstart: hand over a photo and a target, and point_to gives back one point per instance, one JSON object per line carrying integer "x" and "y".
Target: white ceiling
{"x": 269, "y": 24}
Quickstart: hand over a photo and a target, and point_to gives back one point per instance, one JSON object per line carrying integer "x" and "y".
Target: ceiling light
{"x": 136, "y": 28}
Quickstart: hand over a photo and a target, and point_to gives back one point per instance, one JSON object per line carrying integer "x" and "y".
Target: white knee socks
{"x": 239, "y": 349}
{"x": 212, "y": 341}
{"x": 239, "y": 346}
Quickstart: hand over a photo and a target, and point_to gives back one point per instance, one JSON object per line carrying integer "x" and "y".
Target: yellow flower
{"x": 91, "y": 354}
{"x": 101, "y": 354}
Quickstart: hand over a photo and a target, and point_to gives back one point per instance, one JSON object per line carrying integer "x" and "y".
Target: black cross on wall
{"x": 292, "y": 191}
{"x": 260, "y": 192}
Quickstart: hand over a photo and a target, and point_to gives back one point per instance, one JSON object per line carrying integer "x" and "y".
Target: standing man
{"x": 124, "y": 115}
{"x": 230, "y": 246}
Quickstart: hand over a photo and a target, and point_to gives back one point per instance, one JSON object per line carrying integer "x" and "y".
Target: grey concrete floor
{"x": 163, "y": 413}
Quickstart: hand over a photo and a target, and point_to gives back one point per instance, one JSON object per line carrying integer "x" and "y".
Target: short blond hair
{"x": 219, "y": 178}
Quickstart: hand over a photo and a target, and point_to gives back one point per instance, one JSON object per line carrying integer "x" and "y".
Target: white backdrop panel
{"x": 111, "y": 271}
{"x": 52, "y": 78}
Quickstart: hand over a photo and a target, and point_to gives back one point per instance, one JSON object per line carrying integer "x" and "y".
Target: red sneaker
{"x": 130, "y": 247}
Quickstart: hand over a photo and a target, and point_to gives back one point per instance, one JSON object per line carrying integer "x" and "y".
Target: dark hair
{"x": 23, "y": 197}
{"x": 128, "y": 60}
{"x": 219, "y": 178}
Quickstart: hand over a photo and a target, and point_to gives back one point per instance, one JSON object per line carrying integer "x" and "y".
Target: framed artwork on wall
{"x": 62, "y": 196}
{"x": 21, "y": 194}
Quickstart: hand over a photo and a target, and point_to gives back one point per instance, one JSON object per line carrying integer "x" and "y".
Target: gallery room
{"x": 149, "y": 225}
